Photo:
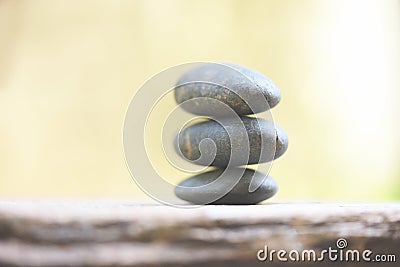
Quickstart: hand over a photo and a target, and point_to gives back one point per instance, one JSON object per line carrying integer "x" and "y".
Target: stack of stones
{"x": 266, "y": 140}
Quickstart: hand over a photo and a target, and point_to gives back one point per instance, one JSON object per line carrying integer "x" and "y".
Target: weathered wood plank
{"x": 132, "y": 234}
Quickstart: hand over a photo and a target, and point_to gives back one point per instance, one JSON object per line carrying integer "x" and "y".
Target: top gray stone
{"x": 244, "y": 90}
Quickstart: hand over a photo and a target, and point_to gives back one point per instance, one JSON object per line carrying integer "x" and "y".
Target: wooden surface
{"x": 131, "y": 234}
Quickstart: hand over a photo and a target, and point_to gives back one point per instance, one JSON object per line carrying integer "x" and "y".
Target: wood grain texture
{"x": 107, "y": 233}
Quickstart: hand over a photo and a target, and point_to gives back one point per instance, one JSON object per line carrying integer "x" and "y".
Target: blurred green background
{"x": 68, "y": 70}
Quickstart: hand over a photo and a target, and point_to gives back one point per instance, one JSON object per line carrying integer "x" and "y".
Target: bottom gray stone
{"x": 217, "y": 187}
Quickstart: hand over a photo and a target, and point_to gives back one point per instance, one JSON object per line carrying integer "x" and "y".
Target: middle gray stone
{"x": 266, "y": 141}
